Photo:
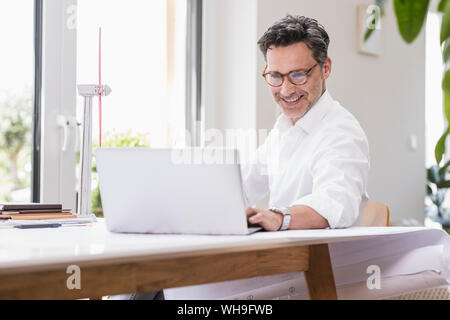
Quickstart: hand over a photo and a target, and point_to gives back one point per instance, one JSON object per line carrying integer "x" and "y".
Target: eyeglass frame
{"x": 287, "y": 74}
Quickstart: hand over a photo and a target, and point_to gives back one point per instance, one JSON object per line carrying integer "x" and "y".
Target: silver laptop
{"x": 181, "y": 191}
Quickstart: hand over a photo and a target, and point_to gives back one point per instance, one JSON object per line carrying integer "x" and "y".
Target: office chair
{"x": 375, "y": 214}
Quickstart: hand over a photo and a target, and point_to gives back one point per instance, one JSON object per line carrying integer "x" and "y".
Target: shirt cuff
{"x": 328, "y": 208}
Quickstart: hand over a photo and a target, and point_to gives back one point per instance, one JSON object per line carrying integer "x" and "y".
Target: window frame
{"x": 36, "y": 101}
{"x": 194, "y": 106}
{"x": 57, "y": 182}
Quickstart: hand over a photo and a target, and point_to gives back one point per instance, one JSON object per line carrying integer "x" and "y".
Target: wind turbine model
{"x": 88, "y": 91}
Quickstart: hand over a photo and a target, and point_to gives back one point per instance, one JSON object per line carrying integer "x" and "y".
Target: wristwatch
{"x": 286, "y": 216}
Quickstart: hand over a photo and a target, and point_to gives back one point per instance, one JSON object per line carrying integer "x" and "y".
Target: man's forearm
{"x": 304, "y": 217}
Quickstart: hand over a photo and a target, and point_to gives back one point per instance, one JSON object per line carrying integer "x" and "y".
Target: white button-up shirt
{"x": 321, "y": 162}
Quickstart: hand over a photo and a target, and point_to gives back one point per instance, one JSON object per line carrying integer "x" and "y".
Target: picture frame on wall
{"x": 369, "y": 30}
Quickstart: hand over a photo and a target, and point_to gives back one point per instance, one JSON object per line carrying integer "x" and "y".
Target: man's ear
{"x": 326, "y": 68}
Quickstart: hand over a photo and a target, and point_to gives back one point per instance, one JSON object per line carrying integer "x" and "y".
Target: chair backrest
{"x": 375, "y": 214}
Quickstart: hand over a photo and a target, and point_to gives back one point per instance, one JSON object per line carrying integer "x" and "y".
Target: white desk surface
{"x": 41, "y": 247}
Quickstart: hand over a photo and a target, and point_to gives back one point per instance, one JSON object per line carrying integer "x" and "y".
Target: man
{"x": 320, "y": 176}
{"x": 314, "y": 163}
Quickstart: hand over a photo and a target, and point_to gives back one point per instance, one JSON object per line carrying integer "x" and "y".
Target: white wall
{"x": 385, "y": 93}
{"x": 229, "y": 64}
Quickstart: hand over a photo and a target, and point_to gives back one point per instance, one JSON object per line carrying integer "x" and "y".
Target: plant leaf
{"x": 410, "y": 17}
{"x": 439, "y": 150}
{"x": 429, "y": 190}
{"x": 446, "y": 51}
{"x": 447, "y": 105}
{"x": 443, "y": 184}
{"x": 446, "y": 88}
{"x": 443, "y": 170}
{"x": 368, "y": 34}
{"x": 442, "y": 5}
{"x": 432, "y": 174}
{"x": 445, "y": 26}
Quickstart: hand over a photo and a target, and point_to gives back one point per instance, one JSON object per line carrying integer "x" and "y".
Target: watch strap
{"x": 286, "y": 217}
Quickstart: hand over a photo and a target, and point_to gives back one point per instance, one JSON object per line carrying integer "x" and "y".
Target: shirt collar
{"x": 312, "y": 117}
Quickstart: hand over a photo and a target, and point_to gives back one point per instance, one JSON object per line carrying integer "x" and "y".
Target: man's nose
{"x": 287, "y": 88}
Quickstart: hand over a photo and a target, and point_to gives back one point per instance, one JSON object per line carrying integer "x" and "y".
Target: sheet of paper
{"x": 395, "y": 250}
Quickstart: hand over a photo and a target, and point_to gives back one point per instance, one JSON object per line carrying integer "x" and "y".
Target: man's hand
{"x": 269, "y": 220}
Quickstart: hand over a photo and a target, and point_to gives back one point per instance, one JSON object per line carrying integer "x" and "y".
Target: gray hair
{"x": 293, "y": 29}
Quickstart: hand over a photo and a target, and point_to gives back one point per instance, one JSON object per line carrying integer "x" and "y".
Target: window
{"x": 16, "y": 99}
{"x": 143, "y": 60}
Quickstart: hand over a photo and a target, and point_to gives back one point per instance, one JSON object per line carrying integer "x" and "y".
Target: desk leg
{"x": 319, "y": 277}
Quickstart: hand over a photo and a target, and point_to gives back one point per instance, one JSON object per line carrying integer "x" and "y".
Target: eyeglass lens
{"x": 276, "y": 79}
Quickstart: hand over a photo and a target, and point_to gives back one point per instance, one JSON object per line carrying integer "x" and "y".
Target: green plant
{"x": 437, "y": 186}
{"x": 15, "y": 138}
{"x": 411, "y": 15}
{"x": 114, "y": 139}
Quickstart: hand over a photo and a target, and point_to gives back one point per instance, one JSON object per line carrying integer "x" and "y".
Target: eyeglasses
{"x": 276, "y": 79}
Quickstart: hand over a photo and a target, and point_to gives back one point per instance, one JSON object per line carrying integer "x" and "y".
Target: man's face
{"x": 296, "y": 100}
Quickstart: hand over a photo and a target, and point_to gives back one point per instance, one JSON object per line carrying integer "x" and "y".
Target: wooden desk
{"x": 35, "y": 267}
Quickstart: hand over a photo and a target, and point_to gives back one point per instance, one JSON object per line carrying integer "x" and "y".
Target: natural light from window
{"x": 16, "y": 83}
{"x": 143, "y": 50}
{"x": 135, "y": 64}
